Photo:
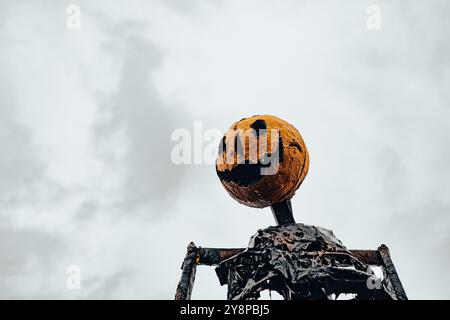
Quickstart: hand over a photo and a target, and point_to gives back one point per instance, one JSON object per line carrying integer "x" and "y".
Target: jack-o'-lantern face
{"x": 262, "y": 160}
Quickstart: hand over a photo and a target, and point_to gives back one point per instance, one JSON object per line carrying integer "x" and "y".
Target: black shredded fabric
{"x": 299, "y": 262}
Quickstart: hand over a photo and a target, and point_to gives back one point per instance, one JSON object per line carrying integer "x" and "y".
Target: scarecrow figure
{"x": 262, "y": 161}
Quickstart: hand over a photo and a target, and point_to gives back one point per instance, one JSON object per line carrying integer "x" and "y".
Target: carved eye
{"x": 296, "y": 145}
{"x": 258, "y": 125}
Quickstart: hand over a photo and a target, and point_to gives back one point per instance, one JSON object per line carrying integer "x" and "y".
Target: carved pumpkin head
{"x": 262, "y": 160}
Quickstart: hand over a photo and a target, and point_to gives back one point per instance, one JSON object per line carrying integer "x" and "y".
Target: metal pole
{"x": 282, "y": 212}
{"x": 189, "y": 267}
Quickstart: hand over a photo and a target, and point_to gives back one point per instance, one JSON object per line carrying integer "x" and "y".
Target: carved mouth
{"x": 243, "y": 174}
{"x": 247, "y": 173}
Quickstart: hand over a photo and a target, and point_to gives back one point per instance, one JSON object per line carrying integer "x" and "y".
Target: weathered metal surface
{"x": 304, "y": 258}
{"x": 390, "y": 273}
{"x": 214, "y": 256}
{"x": 189, "y": 268}
{"x": 299, "y": 262}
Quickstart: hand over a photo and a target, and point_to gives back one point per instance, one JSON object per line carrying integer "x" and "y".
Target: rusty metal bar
{"x": 370, "y": 257}
{"x": 391, "y": 277}
{"x": 213, "y": 256}
{"x": 189, "y": 268}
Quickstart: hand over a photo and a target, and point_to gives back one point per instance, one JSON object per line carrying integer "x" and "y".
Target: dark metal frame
{"x": 213, "y": 256}
{"x": 283, "y": 215}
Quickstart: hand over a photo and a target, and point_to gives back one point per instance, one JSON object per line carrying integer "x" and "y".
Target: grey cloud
{"x": 148, "y": 123}
{"x": 28, "y": 259}
{"x": 109, "y": 286}
{"x": 18, "y": 165}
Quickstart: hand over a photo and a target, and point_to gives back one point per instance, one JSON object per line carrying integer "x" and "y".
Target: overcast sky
{"x": 86, "y": 117}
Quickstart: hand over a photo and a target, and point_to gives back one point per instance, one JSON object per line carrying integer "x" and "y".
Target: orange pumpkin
{"x": 262, "y": 161}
